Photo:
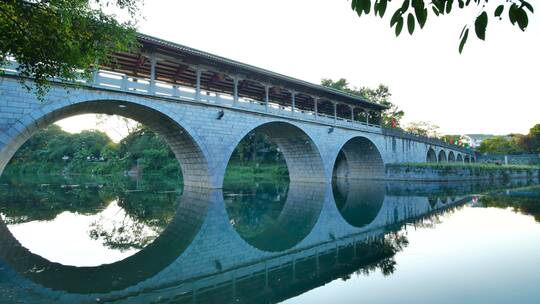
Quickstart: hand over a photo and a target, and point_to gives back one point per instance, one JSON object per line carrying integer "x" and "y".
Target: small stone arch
{"x": 431, "y": 156}
{"x": 190, "y": 155}
{"x": 442, "y": 157}
{"x": 451, "y": 157}
{"x": 359, "y": 158}
{"x": 301, "y": 154}
{"x": 467, "y": 159}
{"x": 459, "y": 158}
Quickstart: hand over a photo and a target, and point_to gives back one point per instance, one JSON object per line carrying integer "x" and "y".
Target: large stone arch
{"x": 155, "y": 115}
{"x": 459, "y": 158}
{"x": 359, "y": 158}
{"x": 301, "y": 154}
{"x": 442, "y": 156}
{"x": 451, "y": 157}
{"x": 171, "y": 243}
{"x": 431, "y": 156}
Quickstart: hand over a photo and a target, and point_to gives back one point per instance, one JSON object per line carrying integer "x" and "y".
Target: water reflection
{"x": 274, "y": 217}
{"x": 359, "y": 201}
{"x": 249, "y": 243}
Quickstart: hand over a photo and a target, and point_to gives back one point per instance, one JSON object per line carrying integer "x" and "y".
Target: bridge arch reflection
{"x": 359, "y": 202}
{"x": 177, "y": 236}
{"x": 275, "y": 223}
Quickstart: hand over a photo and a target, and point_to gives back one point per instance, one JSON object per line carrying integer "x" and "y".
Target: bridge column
{"x": 316, "y": 101}
{"x": 293, "y": 102}
{"x": 352, "y": 114}
{"x": 266, "y": 96}
{"x": 198, "y": 72}
{"x": 235, "y": 80}
{"x": 367, "y": 116}
{"x": 153, "y": 61}
{"x": 335, "y": 112}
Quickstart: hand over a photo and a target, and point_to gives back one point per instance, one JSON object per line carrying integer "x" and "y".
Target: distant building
{"x": 475, "y": 140}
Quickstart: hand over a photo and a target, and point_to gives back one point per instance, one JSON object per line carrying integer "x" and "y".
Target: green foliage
{"x": 416, "y": 11}
{"x": 380, "y": 95}
{"x": 62, "y": 38}
{"x": 52, "y": 150}
{"x": 500, "y": 145}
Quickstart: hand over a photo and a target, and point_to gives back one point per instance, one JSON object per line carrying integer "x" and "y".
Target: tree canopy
{"x": 413, "y": 12}
{"x": 62, "y": 38}
{"x": 380, "y": 95}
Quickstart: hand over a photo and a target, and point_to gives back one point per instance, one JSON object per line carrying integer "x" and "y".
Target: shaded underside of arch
{"x": 431, "y": 156}
{"x": 442, "y": 156}
{"x": 451, "y": 156}
{"x": 359, "y": 158}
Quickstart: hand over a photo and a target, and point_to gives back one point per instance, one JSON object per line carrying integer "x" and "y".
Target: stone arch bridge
{"x": 204, "y": 105}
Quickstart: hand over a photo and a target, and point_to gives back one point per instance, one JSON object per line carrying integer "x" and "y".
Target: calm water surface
{"x": 149, "y": 240}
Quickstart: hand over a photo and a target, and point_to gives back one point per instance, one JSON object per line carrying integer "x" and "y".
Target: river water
{"x": 150, "y": 240}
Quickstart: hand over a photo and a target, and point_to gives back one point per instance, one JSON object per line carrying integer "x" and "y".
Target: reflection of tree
{"x": 123, "y": 232}
{"x": 528, "y": 204}
{"x": 139, "y": 217}
{"x": 253, "y": 209}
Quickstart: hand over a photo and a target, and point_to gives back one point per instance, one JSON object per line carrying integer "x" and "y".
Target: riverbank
{"x": 459, "y": 172}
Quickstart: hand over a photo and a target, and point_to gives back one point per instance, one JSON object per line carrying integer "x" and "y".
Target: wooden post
{"x": 266, "y": 96}
{"x": 316, "y": 101}
{"x": 293, "y": 102}
{"x": 235, "y": 89}
{"x": 335, "y": 112}
{"x": 198, "y": 84}
{"x": 153, "y": 61}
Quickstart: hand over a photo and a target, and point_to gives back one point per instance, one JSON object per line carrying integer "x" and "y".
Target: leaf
{"x": 410, "y": 23}
{"x": 399, "y": 26}
{"x": 382, "y": 7}
{"x": 499, "y": 10}
{"x": 435, "y": 10}
{"x": 512, "y": 13}
{"x": 367, "y": 6}
{"x": 449, "y": 4}
{"x": 480, "y": 25}
{"x": 463, "y": 40}
{"x": 421, "y": 16}
{"x": 527, "y": 5}
{"x": 405, "y": 5}
{"x": 395, "y": 17}
{"x": 522, "y": 19}
{"x": 461, "y": 3}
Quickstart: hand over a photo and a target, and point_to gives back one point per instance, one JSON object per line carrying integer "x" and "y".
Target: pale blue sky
{"x": 491, "y": 88}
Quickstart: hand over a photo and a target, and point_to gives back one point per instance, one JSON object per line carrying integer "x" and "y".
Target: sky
{"x": 491, "y": 88}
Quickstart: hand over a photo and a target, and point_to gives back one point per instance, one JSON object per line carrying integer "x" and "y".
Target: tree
{"x": 423, "y": 128}
{"x": 416, "y": 11}
{"x": 530, "y": 142}
{"x": 380, "y": 95}
{"x": 62, "y": 38}
{"x": 500, "y": 145}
